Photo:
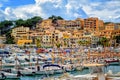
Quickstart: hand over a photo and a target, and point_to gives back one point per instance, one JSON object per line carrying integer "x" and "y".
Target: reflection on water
{"x": 114, "y": 68}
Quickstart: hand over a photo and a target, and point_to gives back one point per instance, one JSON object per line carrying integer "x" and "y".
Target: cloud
{"x": 103, "y": 9}
{"x": 28, "y": 11}
{"x": 68, "y": 9}
{"x": 46, "y": 8}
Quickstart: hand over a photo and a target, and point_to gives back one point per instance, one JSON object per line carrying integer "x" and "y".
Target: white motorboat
{"x": 46, "y": 69}
{"x": 55, "y": 67}
{"x": 68, "y": 67}
{"x": 8, "y": 75}
{"x": 38, "y": 70}
{"x": 110, "y": 74}
{"x": 23, "y": 71}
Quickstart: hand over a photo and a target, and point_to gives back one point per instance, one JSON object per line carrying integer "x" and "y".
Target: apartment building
{"x": 20, "y": 33}
{"x": 74, "y": 24}
{"x": 101, "y": 25}
{"x": 93, "y": 23}
{"x": 47, "y": 39}
{"x": 35, "y": 35}
{"x": 111, "y": 26}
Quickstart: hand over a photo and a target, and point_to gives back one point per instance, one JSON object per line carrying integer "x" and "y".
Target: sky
{"x": 106, "y": 10}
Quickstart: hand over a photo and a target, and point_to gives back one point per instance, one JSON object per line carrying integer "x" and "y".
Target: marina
{"x": 59, "y": 39}
{"x": 43, "y": 64}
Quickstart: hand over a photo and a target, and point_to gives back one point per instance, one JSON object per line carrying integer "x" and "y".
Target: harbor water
{"x": 114, "y": 68}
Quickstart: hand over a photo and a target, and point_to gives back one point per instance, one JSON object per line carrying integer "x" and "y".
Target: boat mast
{"x": 0, "y": 63}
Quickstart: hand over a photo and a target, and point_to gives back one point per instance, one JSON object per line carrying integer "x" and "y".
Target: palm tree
{"x": 87, "y": 43}
{"x": 38, "y": 44}
{"x": 80, "y": 42}
{"x": 104, "y": 41}
{"x": 58, "y": 45}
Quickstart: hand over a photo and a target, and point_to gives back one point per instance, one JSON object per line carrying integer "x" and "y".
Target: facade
{"x": 118, "y": 25}
{"x": 101, "y": 25}
{"x": 67, "y": 32}
{"x": 44, "y": 24}
{"x": 35, "y": 35}
{"x": 93, "y": 23}
{"x": 109, "y": 33}
{"x": 47, "y": 39}
{"x": 73, "y": 24}
{"x": 20, "y": 33}
{"x": 111, "y": 26}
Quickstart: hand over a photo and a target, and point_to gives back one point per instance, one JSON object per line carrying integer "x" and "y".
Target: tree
{"x": 103, "y": 41}
{"x": 5, "y": 26}
{"x": 38, "y": 44}
{"x": 80, "y": 42}
{"x": 59, "y": 18}
{"x": 9, "y": 38}
{"x": 31, "y": 23}
{"x": 55, "y": 19}
{"x": 34, "y": 20}
{"x": 58, "y": 45}
{"x": 117, "y": 39}
{"x": 20, "y": 22}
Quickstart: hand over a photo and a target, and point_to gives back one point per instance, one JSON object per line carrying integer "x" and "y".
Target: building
{"x": 35, "y": 35}
{"x": 74, "y": 24}
{"x": 101, "y": 25}
{"x": 44, "y": 24}
{"x": 47, "y": 39}
{"x": 111, "y": 26}
{"x": 20, "y": 33}
{"x": 93, "y": 23}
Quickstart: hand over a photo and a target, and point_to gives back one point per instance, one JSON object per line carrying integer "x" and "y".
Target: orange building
{"x": 93, "y": 23}
{"x": 101, "y": 25}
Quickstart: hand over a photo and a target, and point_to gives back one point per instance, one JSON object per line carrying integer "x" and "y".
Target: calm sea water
{"x": 114, "y": 68}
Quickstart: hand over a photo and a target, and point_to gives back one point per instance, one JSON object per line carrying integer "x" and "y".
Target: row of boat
{"x": 36, "y": 64}
{"x": 46, "y": 69}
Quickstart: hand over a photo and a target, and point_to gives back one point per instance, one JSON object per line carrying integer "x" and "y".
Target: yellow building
{"x": 20, "y": 33}
{"x": 110, "y": 26}
{"x": 23, "y": 42}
